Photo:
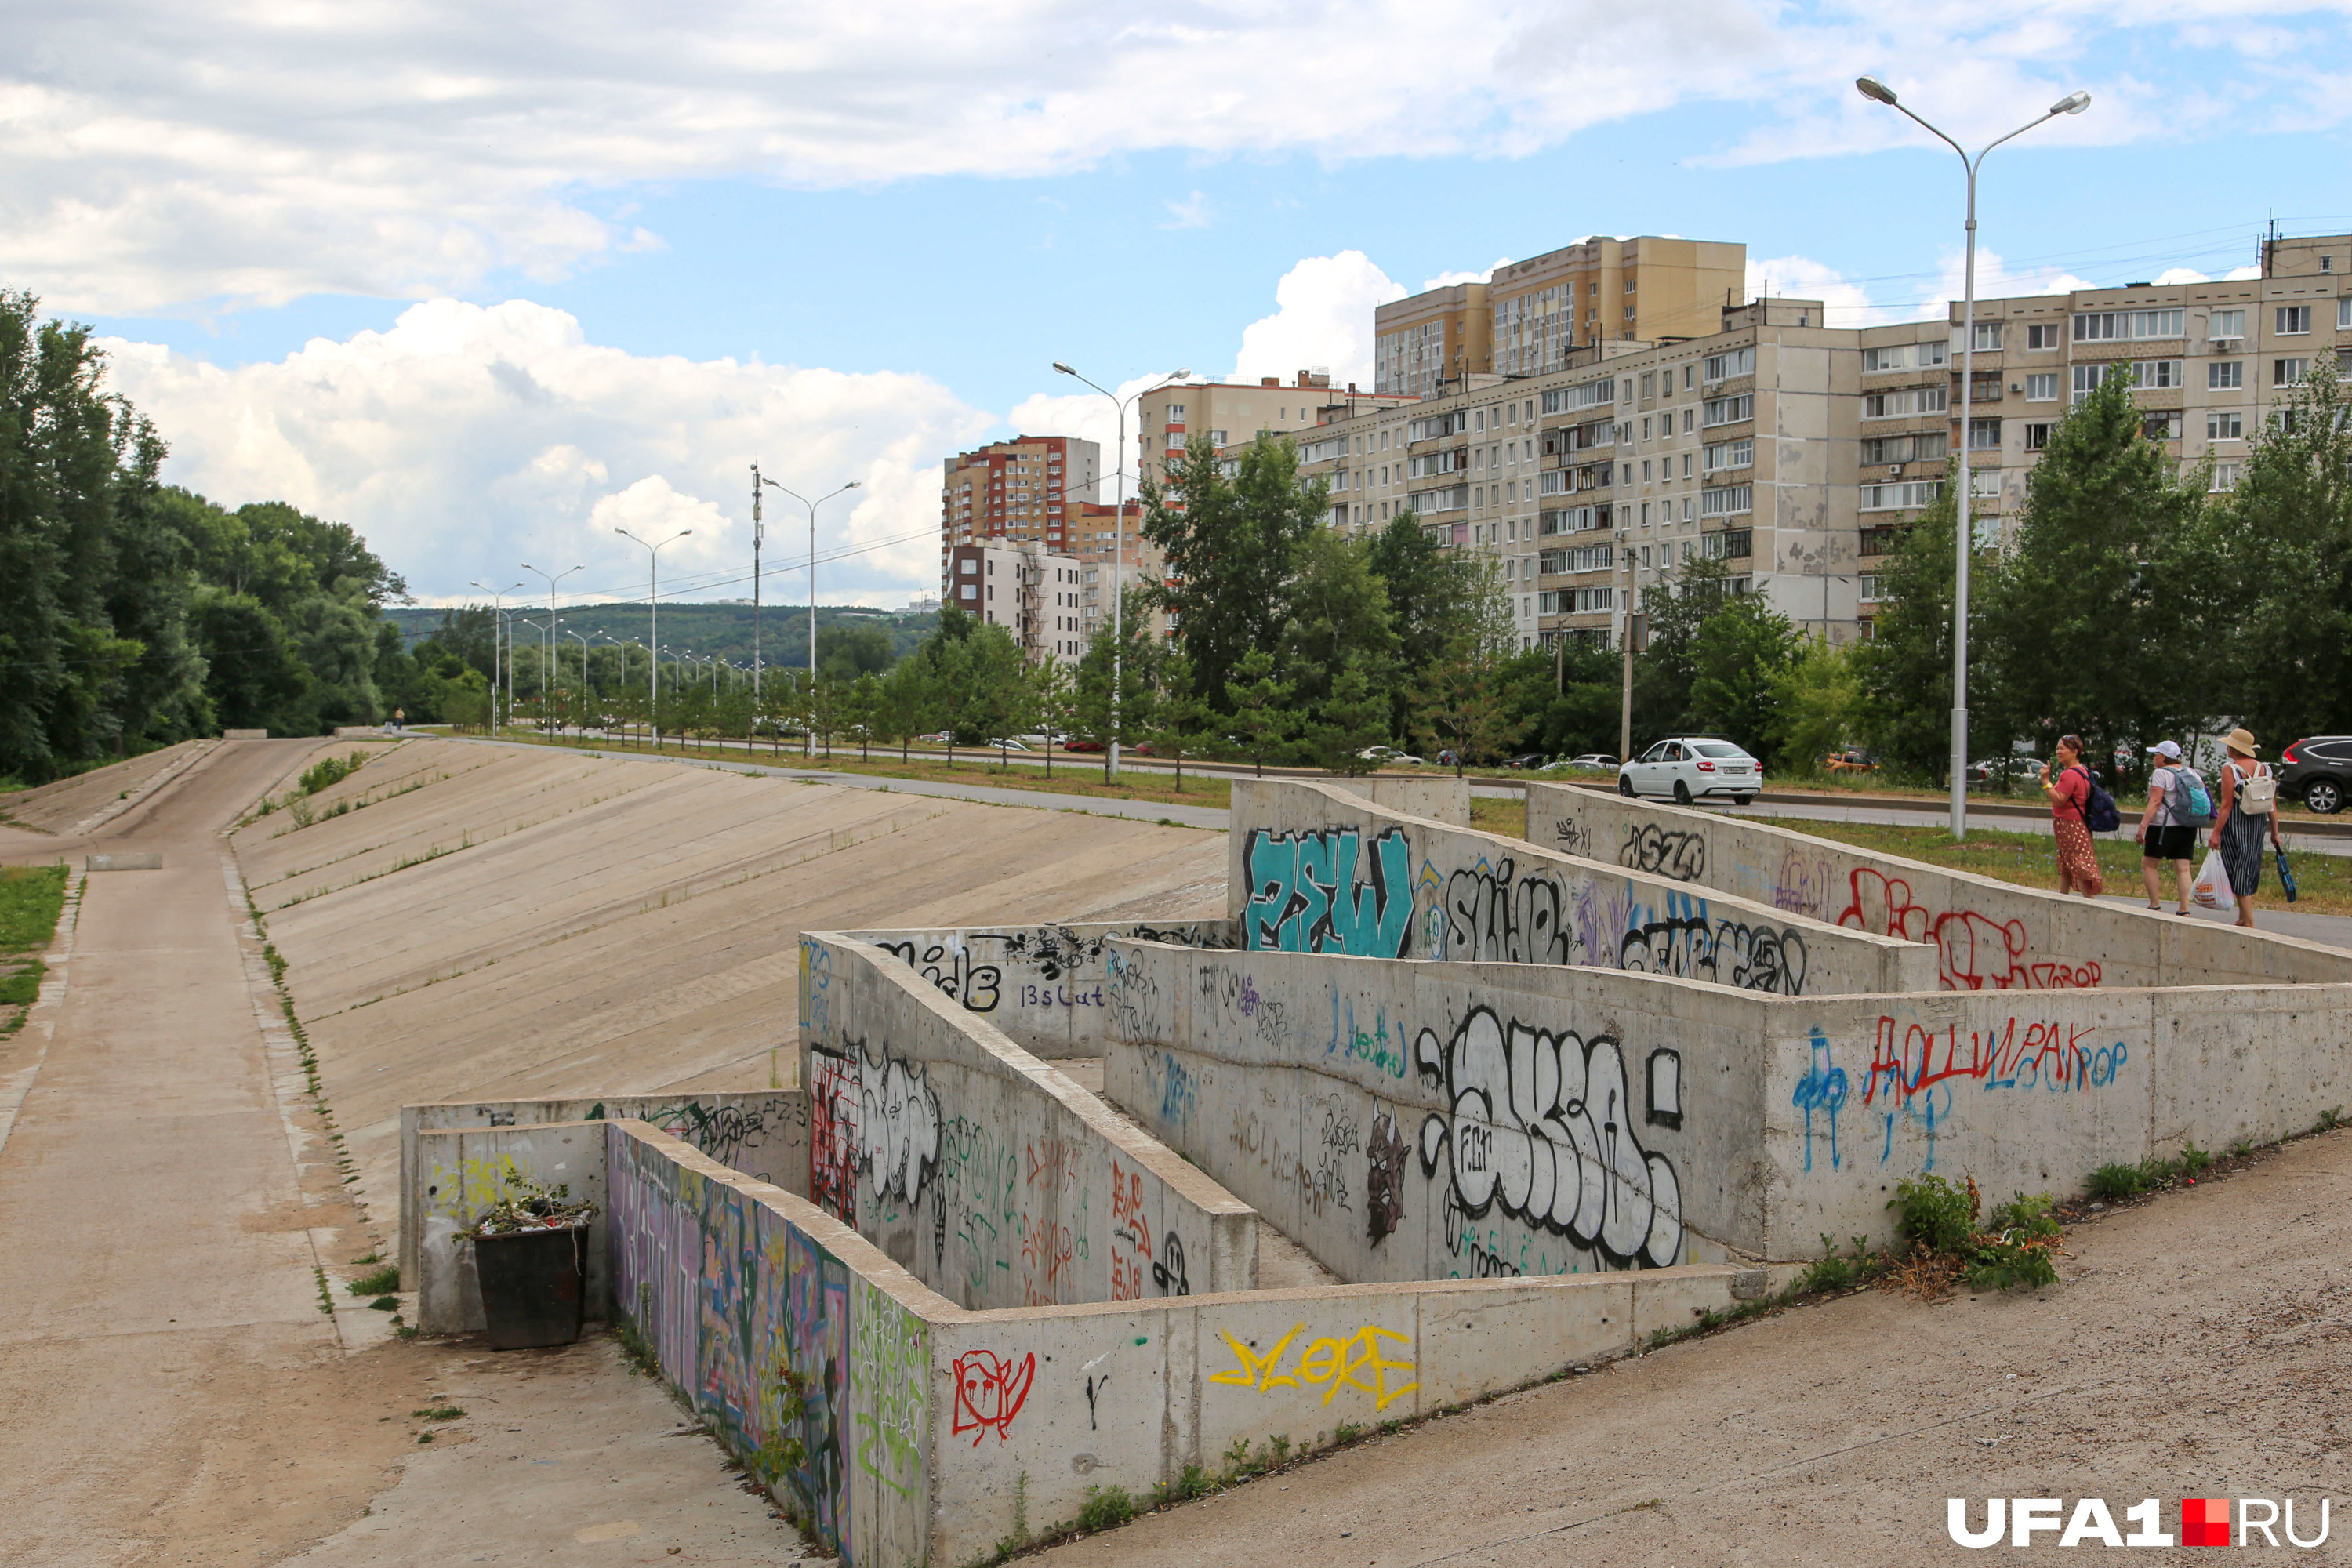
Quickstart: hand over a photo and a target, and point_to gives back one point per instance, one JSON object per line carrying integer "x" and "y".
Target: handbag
{"x": 2286, "y": 875}
{"x": 2258, "y": 795}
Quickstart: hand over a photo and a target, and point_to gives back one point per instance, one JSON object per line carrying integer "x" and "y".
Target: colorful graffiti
{"x": 1492, "y": 917}
{"x": 817, "y": 1328}
{"x": 1686, "y": 943}
{"x": 1323, "y": 890}
{"x": 1359, "y": 1360}
{"x": 1973, "y": 951}
{"x": 890, "y": 1389}
{"x": 1384, "y": 1156}
{"x": 990, "y": 1390}
{"x": 875, "y": 1116}
{"x": 1821, "y": 1091}
{"x": 1541, "y": 1125}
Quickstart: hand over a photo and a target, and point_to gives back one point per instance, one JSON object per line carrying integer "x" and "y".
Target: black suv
{"x": 2319, "y": 769}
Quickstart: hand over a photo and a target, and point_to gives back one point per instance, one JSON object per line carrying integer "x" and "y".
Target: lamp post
{"x": 583, "y": 641}
{"x": 2072, "y": 104}
{"x": 498, "y": 635}
{"x": 547, "y": 647}
{"x": 809, "y": 740}
{"x": 1118, "y": 554}
{"x": 653, "y": 610}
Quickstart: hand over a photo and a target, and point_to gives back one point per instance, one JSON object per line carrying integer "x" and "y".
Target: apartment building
{"x": 1177, "y": 416}
{"x": 1025, "y": 586}
{"x": 1529, "y": 317}
{"x": 1025, "y": 488}
{"x": 2207, "y": 361}
{"x": 1105, "y": 558}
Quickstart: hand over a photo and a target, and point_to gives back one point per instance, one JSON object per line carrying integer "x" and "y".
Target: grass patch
{"x": 1505, "y": 815}
{"x": 438, "y": 1413}
{"x": 31, "y": 898}
{"x": 376, "y": 1283}
{"x": 2028, "y": 860}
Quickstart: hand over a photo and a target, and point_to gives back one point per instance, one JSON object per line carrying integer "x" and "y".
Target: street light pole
{"x": 1118, "y": 554}
{"x": 808, "y": 739}
{"x": 653, "y": 610}
{"x": 758, "y": 535}
{"x": 546, "y": 644}
{"x": 2072, "y": 104}
{"x": 498, "y": 638}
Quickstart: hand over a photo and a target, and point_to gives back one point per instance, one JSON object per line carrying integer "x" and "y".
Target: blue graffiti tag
{"x": 1304, "y": 895}
{"x": 1822, "y": 1088}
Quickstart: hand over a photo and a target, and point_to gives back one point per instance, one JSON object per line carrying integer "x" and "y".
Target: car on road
{"x": 1692, "y": 767}
{"x": 1004, "y": 744}
{"x": 1389, "y": 757}
{"x": 1527, "y": 760}
{"x": 2318, "y": 769}
{"x": 1852, "y": 760}
{"x": 1588, "y": 763}
{"x": 1079, "y": 744}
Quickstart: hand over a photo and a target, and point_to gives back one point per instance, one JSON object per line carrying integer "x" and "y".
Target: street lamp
{"x": 809, "y": 741}
{"x": 583, "y": 641}
{"x": 498, "y": 631}
{"x": 1118, "y": 552}
{"x": 547, "y": 646}
{"x": 2072, "y": 104}
{"x": 653, "y": 610}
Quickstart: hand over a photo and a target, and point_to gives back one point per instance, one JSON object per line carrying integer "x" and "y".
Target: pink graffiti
{"x": 1973, "y": 951}
{"x": 989, "y": 1391}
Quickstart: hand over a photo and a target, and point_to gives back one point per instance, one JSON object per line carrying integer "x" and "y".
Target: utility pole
{"x": 758, "y": 535}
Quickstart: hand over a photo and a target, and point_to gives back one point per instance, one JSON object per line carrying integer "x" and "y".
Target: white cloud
{"x": 1323, "y": 320}
{"x": 163, "y": 154}
{"x": 1844, "y": 304}
{"x": 1448, "y": 279}
{"x": 1192, "y": 212}
{"x": 468, "y": 439}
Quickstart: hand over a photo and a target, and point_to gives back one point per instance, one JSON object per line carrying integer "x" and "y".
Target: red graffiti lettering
{"x": 1973, "y": 951}
{"x": 2042, "y": 1055}
{"x": 989, "y": 1391}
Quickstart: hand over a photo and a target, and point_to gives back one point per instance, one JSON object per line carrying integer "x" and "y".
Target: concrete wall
{"x": 763, "y": 1135}
{"x": 1411, "y": 1119}
{"x": 1987, "y": 934}
{"x": 1439, "y": 799}
{"x": 905, "y": 1426}
{"x": 1042, "y": 982}
{"x": 983, "y": 1171}
{"x": 1314, "y": 869}
{"x": 459, "y": 1173}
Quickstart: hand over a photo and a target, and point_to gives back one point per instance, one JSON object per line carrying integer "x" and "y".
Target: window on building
{"x": 2290, "y": 371}
{"x": 1869, "y": 581}
{"x": 2159, "y": 375}
{"x": 1729, "y": 410}
{"x": 1735, "y": 362}
{"x": 2228, "y": 325}
{"x": 1985, "y": 483}
{"x": 2146, "y": 324}
{"x": 1901, "y": 495}
{"x": 1726, "y": 500}
{"x": 2041, "y": 386}
{"x": 2229, "y": 426}
{"x": 2224, "y": 374}
{"x": 2102, "y": 326}
{"x": 2343, "y": 314}
{"x": 2087, "y": 380}
{"x": 2161, "y": 426}
{"x": 1988, "y": 337}
{"x": 1175, "y": 414}
{"x": 2225, "y": 477}
{"x": 2294, "y": 318}
{"x": 1984, "y": 435}
{"x": 1649, "y": 386}
{"x": 2043, "y": 335}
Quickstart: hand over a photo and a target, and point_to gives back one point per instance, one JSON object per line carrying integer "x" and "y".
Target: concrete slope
{"x": 518, "y": 923}
{"x": 63, "y": 806}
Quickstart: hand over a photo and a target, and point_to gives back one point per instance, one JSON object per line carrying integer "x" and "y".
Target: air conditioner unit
{"x": 1894, "y": 470}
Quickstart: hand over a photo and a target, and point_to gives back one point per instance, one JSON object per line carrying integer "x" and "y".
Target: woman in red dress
{"x": 2068, "y": 787}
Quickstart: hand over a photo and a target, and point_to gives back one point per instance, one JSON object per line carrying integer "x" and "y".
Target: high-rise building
{"x": 1176, "y": 417}
{"x": 1528, "y": 316}
{"x": 1025, "y": 586}
{"x": 1025, "y": 488}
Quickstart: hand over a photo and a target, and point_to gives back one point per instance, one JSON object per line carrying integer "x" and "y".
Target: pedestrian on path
{"x": 2165, "y": 832}
{"x": 2247, "y": 809}
{"x": 2067, "y": 785}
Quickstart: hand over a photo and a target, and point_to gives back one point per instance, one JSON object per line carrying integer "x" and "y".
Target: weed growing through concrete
{"x": 376, "y": 1282}
{"x": 438, "y": 1413}
{"x": 326, "y": 1296}
{"x": 1104, "y": 1508}
{"x": 634, "y": 1346}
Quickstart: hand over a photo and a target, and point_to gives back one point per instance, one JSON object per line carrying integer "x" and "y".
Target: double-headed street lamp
{"x": 653, "y": 610}
{"x": 812, "y": 505}
{"x": 499, "y": 639}
{"x": 548, "y": 644}
{"x": 2072, "y": 104}
{"x": 1118, "y": 552}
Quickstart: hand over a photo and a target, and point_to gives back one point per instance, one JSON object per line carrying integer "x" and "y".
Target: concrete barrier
{"x": 905, "y": 1429}
{"x": 244, "y": 735}
{"x": 982, "y": 1170}
{"x": 1039, "y": 982}
{"x": 1439, "y": 799}
{"x": 764, "y": 1135}
{"x": 1987, "y": 934}
{"x": 150, "y": 860}
{"x": 1403, "y": 1120}
{"x": 459, "y": 1173}
{"x": 1314, "y": 869}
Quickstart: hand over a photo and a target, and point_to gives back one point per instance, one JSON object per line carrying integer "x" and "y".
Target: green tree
{"x": 1904, "y": 671}
{"x": 1265, "y": 709}
{"x": 1055, "y": 696}
{"x": 1180, "y": 717}
{"x": 1461, "y": 704}
{"x": 1738, "y": 658}
{"x": 846, "y": 652}
{"x": 1816, "y": 702}
{"x": 1673, "y": 610}
{"x": 2080, "y": 620}
{"x": 1430, "y": 589}
{"x": 906, "y": 702}
{"x": 1128, "y": 719}
{"x": 1351, "y": 720}
{"x": 1338, "y": 613}
{"x": 861, "y": 711}
{"x": 1229, "y": 545}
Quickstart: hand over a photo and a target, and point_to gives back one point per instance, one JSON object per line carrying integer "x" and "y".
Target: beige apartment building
{"x": 1177, "y": 416}
{"x": 1529, "y": 317}
{"x": 2208, "y": 363}
{"x": 1027, "y": 488}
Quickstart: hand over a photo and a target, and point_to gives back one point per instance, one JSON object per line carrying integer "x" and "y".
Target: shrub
{"x": 1839, "y": 1271}
{"x": 1105, "y": 1508}
{"x": 329, "y": 770}
{"x": 1935, "y": 1214}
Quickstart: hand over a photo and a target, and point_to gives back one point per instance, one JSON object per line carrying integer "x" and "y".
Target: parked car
{"x": 1852, "y": 760}
{"x": 1688, "y": 767}
{"x": 1590, "y": 763}
{"x": 1079, "y": 744}
{"x": 1527, "y": 760}
{"x": 1006, "y": 745}
{"x": 2318, "y": 768}
{"x": 2023, "y": 770}
{"x": 1389, "y": 757}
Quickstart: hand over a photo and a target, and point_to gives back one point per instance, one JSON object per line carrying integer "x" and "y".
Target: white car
{"x": 1691, "y": 767}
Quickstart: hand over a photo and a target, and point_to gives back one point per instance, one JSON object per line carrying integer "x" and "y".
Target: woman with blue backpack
{"x": 2078, "y": 807}
{"x": 2177, "y": 805}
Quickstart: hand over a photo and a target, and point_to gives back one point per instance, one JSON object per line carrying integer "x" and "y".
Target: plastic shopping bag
{"x": 2286, "y": 875}
{"x": 2212, "y": 890}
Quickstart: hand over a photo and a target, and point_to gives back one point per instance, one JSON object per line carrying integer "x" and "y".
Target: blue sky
{"x": 487, "y": 291}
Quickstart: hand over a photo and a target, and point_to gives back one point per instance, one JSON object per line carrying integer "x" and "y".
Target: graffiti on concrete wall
{"x": 815, "y": 989}
{"x": 1973, "y": 951}
{"x": 1673, "y": 853}
{"x": 870, "y": 1116}
{"x": 1821, "y": 1093}
{"x": 952, "y": 967}
{"x": 1540, "y": 1125}
{"x": 990, "y": 1390}
{"x": 1384, "y": 1157}
{"x": 816, "y": 1325}
{"x": 1327, "y": 890}
{"x": 892, "y": 1382}
{"x": 1493, "y": 917}
{"x": 1685, "y": 941}
{"x": 1362, "y": 1360}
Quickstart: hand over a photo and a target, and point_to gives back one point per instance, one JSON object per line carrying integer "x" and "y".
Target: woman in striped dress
{"x": 2237, "y": 831}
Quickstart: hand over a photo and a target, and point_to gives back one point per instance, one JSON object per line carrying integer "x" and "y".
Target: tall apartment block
{"x": 1026, "y": 489}
{"x": 1529, "y": 317}
{"x": 1025, "y": 586}
{"x": 1176, "y": 417}
{"x": 2207, "y": 363}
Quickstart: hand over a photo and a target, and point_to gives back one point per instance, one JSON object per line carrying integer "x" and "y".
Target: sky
{"x": 491, "y": 282}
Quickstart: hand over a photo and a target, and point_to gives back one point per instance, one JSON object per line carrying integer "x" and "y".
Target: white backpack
{"x": 2258, "y": 795}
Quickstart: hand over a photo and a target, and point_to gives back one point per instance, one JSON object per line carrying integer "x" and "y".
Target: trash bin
{"x": 533, "y": 1285}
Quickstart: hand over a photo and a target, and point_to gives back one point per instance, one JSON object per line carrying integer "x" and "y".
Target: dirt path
{"x": 2197, "y": 1347}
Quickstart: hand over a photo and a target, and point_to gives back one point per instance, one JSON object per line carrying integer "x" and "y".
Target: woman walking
{"x": 2068, "y": 787}
{"x": 2247, "y": 809}
{"x": 2164, "y": 834}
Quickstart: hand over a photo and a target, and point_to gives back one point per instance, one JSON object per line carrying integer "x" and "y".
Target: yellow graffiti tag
{"x": 479, "y": 1183}
{"x": 1335, "y": 1363}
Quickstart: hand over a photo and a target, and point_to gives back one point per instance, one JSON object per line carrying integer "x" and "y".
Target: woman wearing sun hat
{"x": 2246, "y": 809}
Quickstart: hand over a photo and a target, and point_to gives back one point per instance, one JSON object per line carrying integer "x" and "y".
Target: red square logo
{"x": 2204, "y": 1521}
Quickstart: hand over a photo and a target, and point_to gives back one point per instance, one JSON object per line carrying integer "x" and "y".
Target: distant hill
{"x": 722, "y": 631}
